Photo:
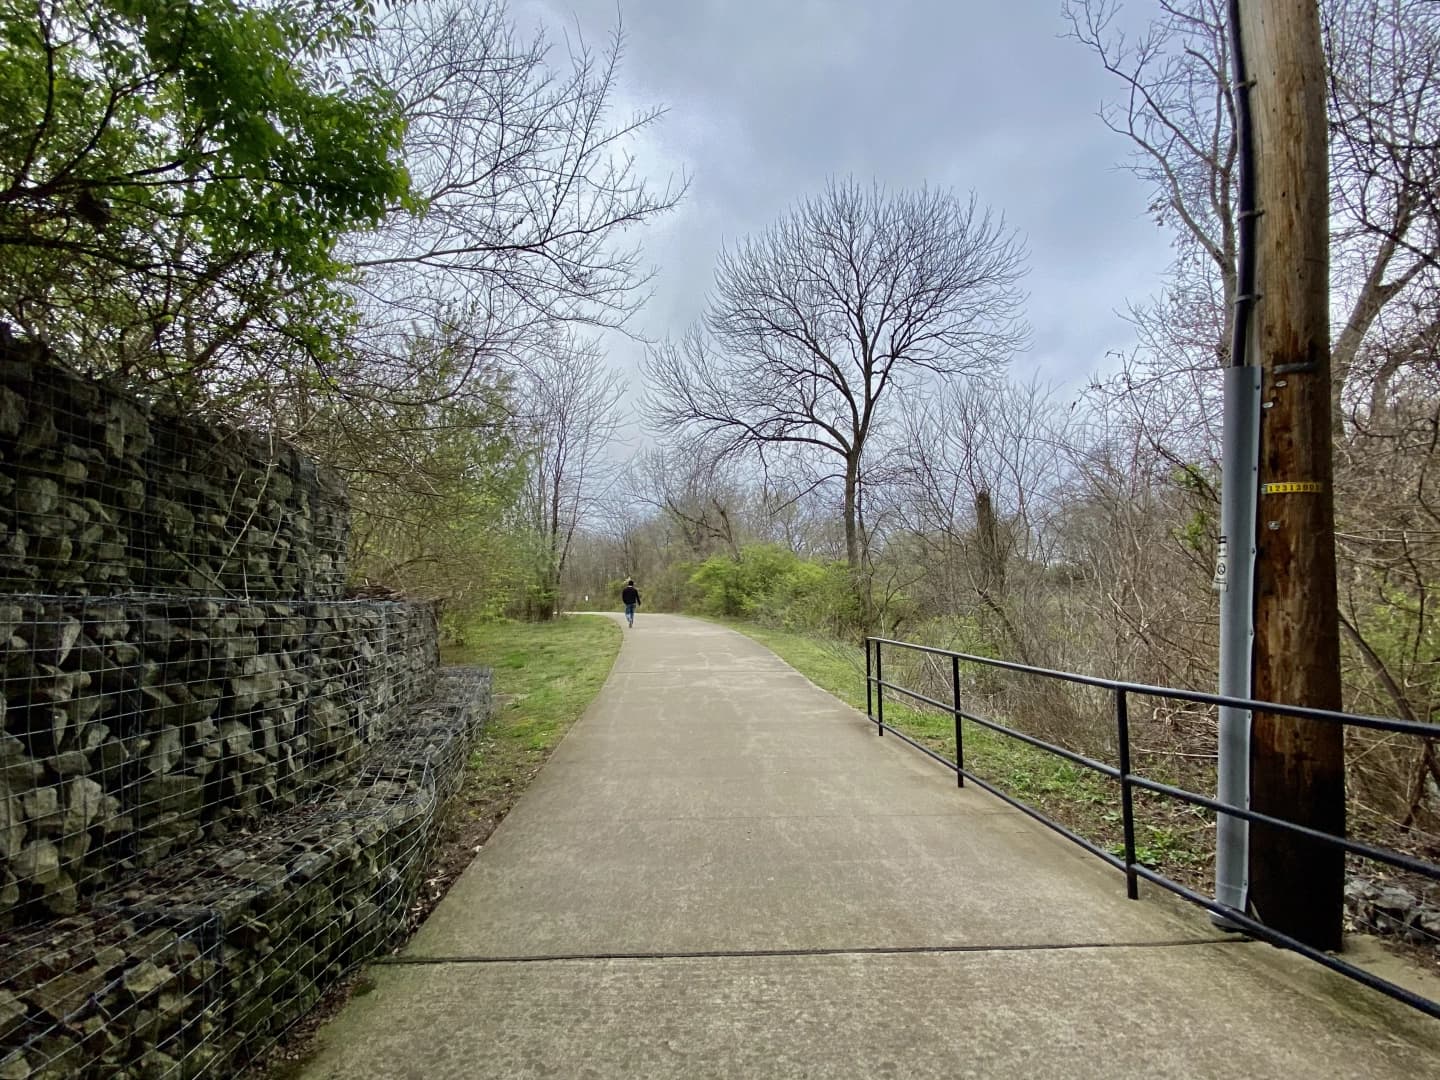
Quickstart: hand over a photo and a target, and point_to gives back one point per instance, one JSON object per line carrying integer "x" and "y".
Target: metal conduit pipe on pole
{"x": 1235, "y": 559}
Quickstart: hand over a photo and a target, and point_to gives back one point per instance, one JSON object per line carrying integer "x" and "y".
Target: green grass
{"x": 546, "y": 675}
{"x": 1169, "y": 836}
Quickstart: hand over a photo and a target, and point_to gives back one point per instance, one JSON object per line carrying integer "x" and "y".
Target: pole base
{"x": 1221, "y": 922}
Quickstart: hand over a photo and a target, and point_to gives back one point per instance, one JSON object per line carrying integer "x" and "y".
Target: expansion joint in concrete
{"x": 719, "y": 954}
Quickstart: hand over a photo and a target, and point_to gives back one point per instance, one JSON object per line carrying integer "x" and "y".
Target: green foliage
{"x": 1404, "y": 638}
{"x": 773, "y": 584}
{"x": 1200, "y": 484}
{"x": 434, "y": 485}
{"x": 1195, "y": 533}
{"x": 673, "y": 590}
{"x": 165, "y": 167}
{"x": 1395, "y": 628}
{"x": 1162, "y": 846}
{"x": 547, "y": 673}
{"x": 1195, "y": 479}
{"x": 532, "y": 593}
{"x": 749, "y": 584}
{"x": 965, "y": 633}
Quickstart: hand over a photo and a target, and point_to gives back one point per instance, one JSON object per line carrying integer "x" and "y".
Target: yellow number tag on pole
{"x": 1291, "y": 487}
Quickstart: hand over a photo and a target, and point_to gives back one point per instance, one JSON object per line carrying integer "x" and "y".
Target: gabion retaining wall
{"x": 1392, "y": 910}
{"x": 103, "y": 493}
{"x": 133, "y": 728}
{"x": 194, "y": 966}
{"x": 217, "y": 789}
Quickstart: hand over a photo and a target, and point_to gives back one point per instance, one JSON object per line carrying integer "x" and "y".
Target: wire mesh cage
{"x": 242, "y": 934}
{"x": 101, "y": 493}
{"x": 134, "y": 728}
{"x": 110, "y": 994}
{"x": 219, "y": 779}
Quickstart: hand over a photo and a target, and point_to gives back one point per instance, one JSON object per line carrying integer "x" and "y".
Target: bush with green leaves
{"x": 769, "y": 583}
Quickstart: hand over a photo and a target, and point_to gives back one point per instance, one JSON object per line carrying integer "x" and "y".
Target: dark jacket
{"x": 630, "y": 595}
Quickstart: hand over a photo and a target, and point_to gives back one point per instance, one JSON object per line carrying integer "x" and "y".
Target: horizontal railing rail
{"x": 876, "y": 684}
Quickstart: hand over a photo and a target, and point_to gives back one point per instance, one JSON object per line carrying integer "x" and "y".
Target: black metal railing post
{"x": 1127, "y": 795}
{"x": 1131, "y": 782}
{"x": 959, "y": 741}
{"x": 869, "y": 709}
{"x": 879, "y": 690}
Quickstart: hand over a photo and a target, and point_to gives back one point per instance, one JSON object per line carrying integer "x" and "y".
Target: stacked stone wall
{"x": 134, "y": 728}
{"x": 219, "y": 778}
{"x": 194, "y": 966}
{"x": 102, "y": 493}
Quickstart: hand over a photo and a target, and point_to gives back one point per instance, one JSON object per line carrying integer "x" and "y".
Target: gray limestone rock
{"x": 38, "y": 863}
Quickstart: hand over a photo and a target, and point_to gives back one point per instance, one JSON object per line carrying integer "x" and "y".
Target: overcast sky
{"x": 767, "y": 100}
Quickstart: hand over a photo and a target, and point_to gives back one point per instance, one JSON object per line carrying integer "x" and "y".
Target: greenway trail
{"x": 723, "y": 872}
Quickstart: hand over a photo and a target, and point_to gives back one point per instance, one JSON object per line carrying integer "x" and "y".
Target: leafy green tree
{"x": 772, "y": 584}
{"x": 174, "y": 177}
{"x": 354, "y": 226}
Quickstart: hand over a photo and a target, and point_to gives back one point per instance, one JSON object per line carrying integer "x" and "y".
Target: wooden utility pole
{"x": 1297, "y": 766}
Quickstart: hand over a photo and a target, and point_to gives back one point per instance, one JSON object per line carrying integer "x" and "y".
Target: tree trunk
{"x": 855, "y": 549}
{"x": 1297, "y": 772}
{"x": 1374, "y": 295}
{"x": 987, "y": 537}
{"x": 852, "y": 528}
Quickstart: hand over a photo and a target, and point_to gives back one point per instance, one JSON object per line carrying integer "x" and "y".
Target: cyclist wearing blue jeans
{"x": 630, "y": 597}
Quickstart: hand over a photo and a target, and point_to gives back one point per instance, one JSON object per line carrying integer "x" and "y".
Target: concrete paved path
{"x": 722, "y": 872}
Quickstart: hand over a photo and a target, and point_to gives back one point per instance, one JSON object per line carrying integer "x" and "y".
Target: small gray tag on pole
{"x": 1222, "y": 565}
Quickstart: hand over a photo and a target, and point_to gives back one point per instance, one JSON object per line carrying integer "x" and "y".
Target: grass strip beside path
{"x": 546, "y": 675}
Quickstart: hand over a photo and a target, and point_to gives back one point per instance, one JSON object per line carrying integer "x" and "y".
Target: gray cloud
{"x": 768, "y": 100}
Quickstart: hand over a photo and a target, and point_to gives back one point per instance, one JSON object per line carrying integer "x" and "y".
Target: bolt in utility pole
{"x": 1297, "y": 766}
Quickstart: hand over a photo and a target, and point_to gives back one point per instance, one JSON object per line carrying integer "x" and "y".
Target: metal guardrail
{"x": 1129, "y": 781}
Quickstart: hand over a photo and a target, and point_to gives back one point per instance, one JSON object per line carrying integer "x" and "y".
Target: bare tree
{"x": 522, "y": 181}
{"x": 1177, "y": 110}
{"x": 852, "y": 298}
{"x": 1384, "y": 60}
{"x": 1388, "y": 547}
{"x": 986, "y": 473}
{"x": 573, "y": 409}
{"x": 699, "y": 496}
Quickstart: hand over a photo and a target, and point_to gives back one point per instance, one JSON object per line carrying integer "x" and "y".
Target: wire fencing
{"x": 219, "y": 778}
{"x": 135, "y": 728}
{"x": 101, "y": 493}
{"x": 195, "y": 965}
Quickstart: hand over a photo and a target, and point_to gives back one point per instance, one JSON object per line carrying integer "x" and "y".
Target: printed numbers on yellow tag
{"x": 1291, "y": 487}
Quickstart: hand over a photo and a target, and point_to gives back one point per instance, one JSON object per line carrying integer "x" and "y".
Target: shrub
{"x": 773, "y": 585}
